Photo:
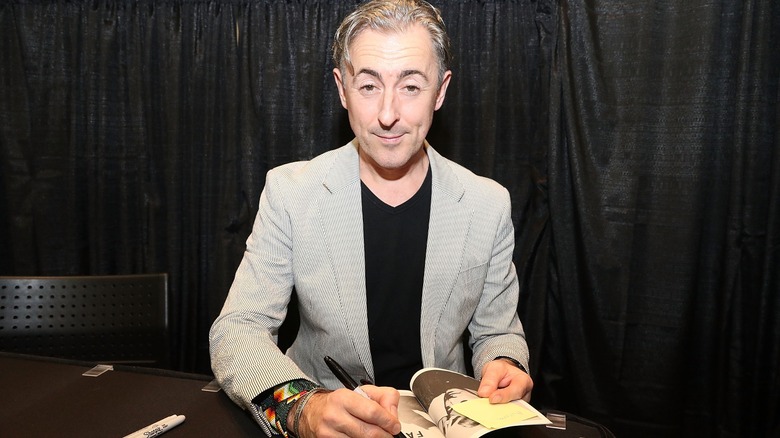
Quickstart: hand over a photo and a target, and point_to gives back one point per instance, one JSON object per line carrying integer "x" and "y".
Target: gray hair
{"x": 392, "y": 16}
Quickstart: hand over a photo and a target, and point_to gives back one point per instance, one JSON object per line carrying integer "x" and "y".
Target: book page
{"x": 440, "y": 390}
{"x": 430, "y": 383}
{"x": 415, "y": 421}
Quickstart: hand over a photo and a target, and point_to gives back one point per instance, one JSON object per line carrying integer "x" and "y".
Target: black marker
{"x": 340, "y": 374}
{"x": 349, "y": 382}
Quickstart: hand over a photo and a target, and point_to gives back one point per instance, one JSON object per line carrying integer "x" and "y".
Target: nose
{"x": 388, "y": 111}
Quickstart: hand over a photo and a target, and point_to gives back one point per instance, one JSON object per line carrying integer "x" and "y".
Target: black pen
{"x": 349, "y": 382}
{"x": 340, "y": 374}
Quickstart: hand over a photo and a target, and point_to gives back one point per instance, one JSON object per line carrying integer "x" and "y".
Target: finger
{"x": 380, "y": 410}
{"x": 518, "y": 387}
{"x": 491, "y": 376}
{"x": 342, "y": 412}
{"x": 503, "y": 395}
{"x": 386, "y": 396}
{"x": 502, "y": 382}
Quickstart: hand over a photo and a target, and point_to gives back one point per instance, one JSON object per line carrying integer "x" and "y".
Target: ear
{"x": 340, "y": 84}
{"x": 445, "y": 82}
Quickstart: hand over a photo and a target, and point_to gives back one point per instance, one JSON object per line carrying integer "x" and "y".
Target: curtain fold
{"x": 637, "y": 140}
{"x": 663, "y": 207}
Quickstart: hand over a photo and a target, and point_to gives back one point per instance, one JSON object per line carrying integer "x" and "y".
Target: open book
{"x": 444, "y": 404}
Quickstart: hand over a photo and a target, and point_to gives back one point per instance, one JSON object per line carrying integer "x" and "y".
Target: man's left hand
{"x": 502, "y": 381}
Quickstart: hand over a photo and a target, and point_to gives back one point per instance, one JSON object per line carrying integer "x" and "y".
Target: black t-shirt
{"x": 395, "y": 242}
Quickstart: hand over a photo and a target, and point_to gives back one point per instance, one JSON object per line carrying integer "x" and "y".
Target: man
{"x": 394, "y": 252}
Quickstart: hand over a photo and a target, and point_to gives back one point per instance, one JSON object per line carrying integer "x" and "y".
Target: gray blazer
{"x": 308, "y": 234}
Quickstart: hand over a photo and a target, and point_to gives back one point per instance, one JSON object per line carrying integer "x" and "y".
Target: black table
{"x": 46, "y": 397}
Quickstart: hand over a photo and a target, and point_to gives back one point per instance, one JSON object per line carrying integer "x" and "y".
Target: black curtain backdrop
{"x": 638, "y": 140}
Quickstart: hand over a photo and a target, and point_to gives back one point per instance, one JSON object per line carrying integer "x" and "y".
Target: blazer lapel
{"x": 447, "y": 232}
{"x": 342, "y": 221}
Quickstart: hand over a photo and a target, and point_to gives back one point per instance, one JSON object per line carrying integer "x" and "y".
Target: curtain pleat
{"x": 663, "y": 197}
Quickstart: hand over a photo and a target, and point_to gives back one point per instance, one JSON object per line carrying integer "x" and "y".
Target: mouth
{"x": 390, "y": 138}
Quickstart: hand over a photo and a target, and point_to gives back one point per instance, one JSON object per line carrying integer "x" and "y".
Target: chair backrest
{"x": 105, "y": 319}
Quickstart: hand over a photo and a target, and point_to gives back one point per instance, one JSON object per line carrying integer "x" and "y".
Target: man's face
{"x": 391, "y": 94}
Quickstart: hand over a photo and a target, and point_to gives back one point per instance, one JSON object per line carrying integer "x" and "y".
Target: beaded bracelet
{"x": 293, "y": 431}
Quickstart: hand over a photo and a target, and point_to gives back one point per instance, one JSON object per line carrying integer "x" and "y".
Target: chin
{"x": 390, "y": 165}
{"x": 390, "y": 159}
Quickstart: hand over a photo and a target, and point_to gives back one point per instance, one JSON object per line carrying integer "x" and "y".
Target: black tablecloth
{"x": 51, "y": 398}
{"x": 45, "y": 397}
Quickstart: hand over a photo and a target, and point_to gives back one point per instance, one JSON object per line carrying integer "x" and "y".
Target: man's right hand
{"x": 344, "y": 412}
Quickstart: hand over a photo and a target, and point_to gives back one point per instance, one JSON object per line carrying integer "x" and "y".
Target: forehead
{"x": 387, "y": 50}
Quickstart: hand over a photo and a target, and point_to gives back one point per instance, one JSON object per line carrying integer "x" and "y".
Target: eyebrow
{"x": 403, "y": 74}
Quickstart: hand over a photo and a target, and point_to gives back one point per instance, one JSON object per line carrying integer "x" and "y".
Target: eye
{"x": 410, "y": 89}
{"x": 369, "y": 89}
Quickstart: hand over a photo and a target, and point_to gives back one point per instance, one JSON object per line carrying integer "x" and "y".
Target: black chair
{"x": 113, "y": 319}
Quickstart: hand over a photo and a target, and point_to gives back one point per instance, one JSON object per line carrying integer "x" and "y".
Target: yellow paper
{"x": 493, "y": 416}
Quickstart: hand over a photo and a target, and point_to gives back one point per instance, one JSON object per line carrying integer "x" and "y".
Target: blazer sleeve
{"x": 495, "y": 327}
{"x": 245, "y": 358}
